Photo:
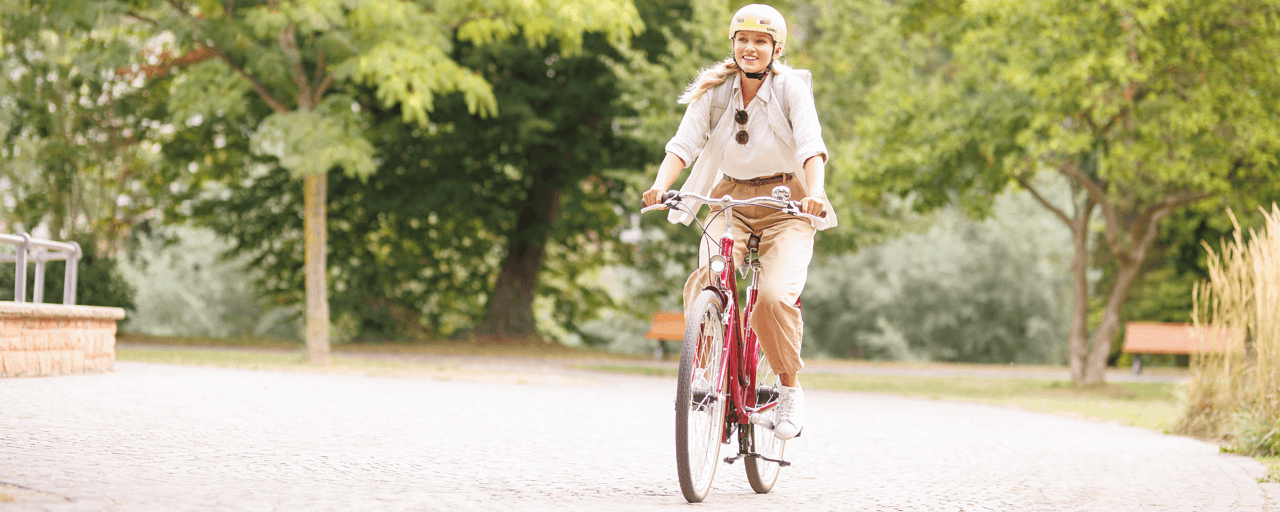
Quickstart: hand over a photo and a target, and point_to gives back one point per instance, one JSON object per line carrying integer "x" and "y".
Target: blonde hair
{"x": 717, "y": 74}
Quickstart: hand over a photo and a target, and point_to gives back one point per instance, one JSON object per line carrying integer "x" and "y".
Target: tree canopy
{"x": 1145, "y": 107}
{"x": 304, "y": 60}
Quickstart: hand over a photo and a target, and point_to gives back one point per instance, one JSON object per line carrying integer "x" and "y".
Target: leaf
{"x": 314, "y": 142}
{"x": 208, "y": 89}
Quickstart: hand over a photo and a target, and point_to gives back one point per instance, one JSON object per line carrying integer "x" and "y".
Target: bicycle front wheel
{"x": 762, "y": 474}
{"x": 700, "y": 397}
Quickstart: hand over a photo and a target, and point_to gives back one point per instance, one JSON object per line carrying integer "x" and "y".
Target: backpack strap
{"x": 720, "y": 97}
{"x": 780, "y": 89}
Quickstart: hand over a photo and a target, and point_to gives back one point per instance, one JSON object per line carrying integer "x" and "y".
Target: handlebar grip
{"x": 669, "y": 195}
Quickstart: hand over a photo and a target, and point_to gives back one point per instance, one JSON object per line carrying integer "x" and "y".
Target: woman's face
{"x": 752, "y": 50}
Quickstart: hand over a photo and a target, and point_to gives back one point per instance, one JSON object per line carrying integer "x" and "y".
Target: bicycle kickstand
{"x": 731, "y": 460}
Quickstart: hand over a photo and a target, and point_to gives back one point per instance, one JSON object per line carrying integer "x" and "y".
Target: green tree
{"x": 428, "y": 234}
{"x": 1146, "y": 107}
{"x": 77, "y": 135}
{"x": 421, "y": 246}
{"x": 303, "y": 60}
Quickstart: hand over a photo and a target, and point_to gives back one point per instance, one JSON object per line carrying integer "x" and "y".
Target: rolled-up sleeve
{"x": 804, "y": 122}
{"x": 694, "y": 130}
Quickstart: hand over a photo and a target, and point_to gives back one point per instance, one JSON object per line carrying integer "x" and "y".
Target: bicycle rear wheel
{"x": 700, "y": 397}
{"x": 762, "y": 474}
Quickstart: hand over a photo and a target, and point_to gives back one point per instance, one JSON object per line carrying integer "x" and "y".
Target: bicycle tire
{"x": 762, "y": 474}
{"x": 699, "y": 404}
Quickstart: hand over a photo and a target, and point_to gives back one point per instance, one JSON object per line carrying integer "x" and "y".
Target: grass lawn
{"x": 368, "y": 358}
{"x": 478, "y": 348}
{"x": 1140, "y": 404}
{"x": 257, "y": 359}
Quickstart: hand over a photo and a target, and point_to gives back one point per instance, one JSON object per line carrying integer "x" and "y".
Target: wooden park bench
{"x": 667, "y": 326}
{"x": 1165, "y": 338}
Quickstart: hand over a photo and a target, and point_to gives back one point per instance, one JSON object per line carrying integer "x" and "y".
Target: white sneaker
{"x": 790, "y": 413}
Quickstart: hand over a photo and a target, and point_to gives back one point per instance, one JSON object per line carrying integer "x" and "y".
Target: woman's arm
{"x": 667, "y": 174}
{"x": 687, "y": 144}
{"x": 815, "y": 170}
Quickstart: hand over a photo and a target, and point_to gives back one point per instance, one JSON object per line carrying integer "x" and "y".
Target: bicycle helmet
{"x": 760, "y": 18}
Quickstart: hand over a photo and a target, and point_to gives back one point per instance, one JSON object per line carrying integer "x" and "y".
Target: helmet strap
{"x": 761, "y": 75}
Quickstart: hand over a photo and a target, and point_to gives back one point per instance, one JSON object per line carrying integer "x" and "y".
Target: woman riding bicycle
{"x": 767, "y": 135}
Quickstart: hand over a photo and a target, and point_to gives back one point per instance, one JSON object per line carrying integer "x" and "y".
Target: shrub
{"x": 988, "y": 291}
{"x": 1234, "y": 393}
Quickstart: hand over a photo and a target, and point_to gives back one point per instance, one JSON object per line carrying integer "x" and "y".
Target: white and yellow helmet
{"x": 760, "y": 18}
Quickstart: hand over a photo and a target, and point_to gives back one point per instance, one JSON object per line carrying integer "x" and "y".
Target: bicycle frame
{"x": 741, "y": 347}
{"x": 733, "y": 389}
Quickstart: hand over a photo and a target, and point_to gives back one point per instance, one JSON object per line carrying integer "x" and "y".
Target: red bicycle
{"x": 725, "y": 383}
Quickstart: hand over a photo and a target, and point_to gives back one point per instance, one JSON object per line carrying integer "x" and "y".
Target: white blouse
{"x": 778, "y": 142}
{"x": 762, "y": 155}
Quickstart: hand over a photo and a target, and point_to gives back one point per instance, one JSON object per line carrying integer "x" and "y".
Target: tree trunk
{"x": 315, "y": 192}
{"x": 1096, "y": 365}
{"x": 1078, "y": 222}
{"x": 511, "y": 305}
{"x": 1077, "y": 338}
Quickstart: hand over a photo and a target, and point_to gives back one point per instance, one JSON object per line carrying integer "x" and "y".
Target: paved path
{"x": 155, "y": 437}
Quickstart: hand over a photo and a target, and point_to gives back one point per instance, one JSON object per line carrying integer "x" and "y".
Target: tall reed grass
{"x": 1234, "y": 394}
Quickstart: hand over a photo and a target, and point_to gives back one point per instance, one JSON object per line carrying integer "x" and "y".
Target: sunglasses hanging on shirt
{"x": 741, "y": 118}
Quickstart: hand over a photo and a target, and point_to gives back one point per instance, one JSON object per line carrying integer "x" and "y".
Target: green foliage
{"x": 208, "y": 89}
{"x": 1178, "y": 261}
{"x": 76, "y": 150}
{"x": 1256, "y": 432}
{"x": 98, "y": 283}
{"x": 185, "y": 288}
{"x": 415, "y": 247}
{"x": 655, "y": 256}
{"x": 1145, "y": 106}
{"x": 967, "y": 96}
{"x": 963, "y": 291}
{"x": 308, "y": 142}
{"x": 297, "y": 87}
{"x": 297, "y": 54}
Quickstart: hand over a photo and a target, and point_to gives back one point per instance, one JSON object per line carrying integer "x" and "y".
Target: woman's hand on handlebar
{"x": 813, "y": 206}
{"x": 652, "y": 196}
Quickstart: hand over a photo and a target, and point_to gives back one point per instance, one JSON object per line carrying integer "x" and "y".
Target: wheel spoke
{"x": 762, "y": 474}
{"x": 700, "y": 402}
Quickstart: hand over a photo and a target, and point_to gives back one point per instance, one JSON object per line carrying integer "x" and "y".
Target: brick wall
{"x": 51, "y": 339}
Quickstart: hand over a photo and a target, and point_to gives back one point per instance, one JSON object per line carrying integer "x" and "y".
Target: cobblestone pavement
{"x": 156, "y": 437}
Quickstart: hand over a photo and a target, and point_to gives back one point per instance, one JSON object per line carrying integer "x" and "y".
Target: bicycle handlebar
{"x": 673, "y": 197}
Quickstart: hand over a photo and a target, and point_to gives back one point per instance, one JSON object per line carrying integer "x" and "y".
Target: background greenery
{"x": 503, "y": 152}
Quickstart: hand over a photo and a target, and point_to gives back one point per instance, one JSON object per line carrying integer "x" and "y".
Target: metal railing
{"x": 41, "y": 251}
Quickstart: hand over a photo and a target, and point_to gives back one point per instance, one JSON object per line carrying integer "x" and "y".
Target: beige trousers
{"x": 786, "y": 246}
